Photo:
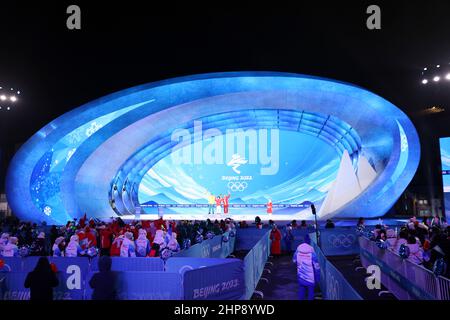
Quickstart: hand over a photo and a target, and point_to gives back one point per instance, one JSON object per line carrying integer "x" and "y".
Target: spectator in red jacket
{"x": 105, "y": 241}
{"x": 275, "y": 236}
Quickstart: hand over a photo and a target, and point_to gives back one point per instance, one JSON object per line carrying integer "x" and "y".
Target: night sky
{"x": 127, "y": 44}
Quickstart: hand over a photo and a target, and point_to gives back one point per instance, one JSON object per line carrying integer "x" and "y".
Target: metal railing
{"x": 405, "y": 279}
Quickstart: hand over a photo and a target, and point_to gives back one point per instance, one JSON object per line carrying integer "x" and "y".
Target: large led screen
{"x": 445, "y": 160}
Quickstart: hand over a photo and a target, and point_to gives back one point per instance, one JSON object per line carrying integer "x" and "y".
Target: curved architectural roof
{"x": 100, "y": 152}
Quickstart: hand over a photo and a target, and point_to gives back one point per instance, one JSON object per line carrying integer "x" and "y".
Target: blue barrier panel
{"x": 337, "y": 287}
{"x": 339, "y": 241}
{"x": 254, "y": 263}
{"x": 28, "y": 263}
{"x": 11, "y": 286}
{"x": 228, "y": 247}
{"x": 218, "y": 282}
{"x": 145, "y": 286}
{"x": 72, "y": 273}
{"x": 11, "y": 264}
{"x": 246, "y": 238}
{"x": 250, "y": 284}
{"x": 211, "y": 248}
{"x": 132, "y": 264}
{"x": 181, "y": 265}
{"x": 299, "y": 236}
{"x": 412, "y": 288}
{"x": 322, "y": 262}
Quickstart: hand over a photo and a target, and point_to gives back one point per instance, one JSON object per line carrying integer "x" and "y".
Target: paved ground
{"x": 282, "y": 278}
{"x": 346, "y": 265}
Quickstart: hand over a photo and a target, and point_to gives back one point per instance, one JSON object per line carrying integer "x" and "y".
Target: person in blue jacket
{"x": 308, "y": 269}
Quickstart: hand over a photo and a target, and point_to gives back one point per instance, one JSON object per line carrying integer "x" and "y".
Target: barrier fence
{"x": 405, "y": 279}
{"x": 216, "y": 247}
{"x": 339, "y": 241}
{"x": 332, "y": 283}
{"x": 141, "y": 278}
{"x": 254, "y": 263}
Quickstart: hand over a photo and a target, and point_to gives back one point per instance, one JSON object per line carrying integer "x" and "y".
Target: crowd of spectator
{"x": 83, "y": 237}
{"x": 425, "y": 242}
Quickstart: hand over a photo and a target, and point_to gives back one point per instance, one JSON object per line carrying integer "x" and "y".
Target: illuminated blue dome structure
{"x": 260, "y": 136}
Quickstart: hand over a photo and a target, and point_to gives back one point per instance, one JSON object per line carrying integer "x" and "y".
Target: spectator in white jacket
{"x": 10, "y": 249}
{"x": 142, "y": 244}
{"x": 127, "y": 249}
{"x": 73, "y": 249}
{"x": 402, "y": 239}
{"x": 3, "y": 240}
{"x": 307, "y": 269}
{"x": 415, "y": 251}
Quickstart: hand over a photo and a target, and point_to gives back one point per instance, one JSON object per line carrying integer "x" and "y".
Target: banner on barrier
{"x": 71, "y": 276}
{"x": 218, "y": 282}
{"x": 132, "y": 264}
{"x": 211, "y": 248}
{"x": 339, "y": 242}
{"x": 145, "y": 286}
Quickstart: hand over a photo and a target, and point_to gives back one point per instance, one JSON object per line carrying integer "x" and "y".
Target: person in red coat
{"x": 275, "y": 236}
{"x": 269, "y": 207}
{"x": 105, "y": 240}
{"x": 226, "y": 202}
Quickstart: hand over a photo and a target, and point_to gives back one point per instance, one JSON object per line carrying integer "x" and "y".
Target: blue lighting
{"x": 114, "y": 154}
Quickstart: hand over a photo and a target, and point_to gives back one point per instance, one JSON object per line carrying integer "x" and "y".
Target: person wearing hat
{"x": 38, "y": 248}
{"x": 58, "y": 247}
{"x": 11, "y": 249}
{"x": 73, "y": 248}
{"x": 3, "y": 240}
{"x": 142, "y": 244}
{"x": 127, "y": 249}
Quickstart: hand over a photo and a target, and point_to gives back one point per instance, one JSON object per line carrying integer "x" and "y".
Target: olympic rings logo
{"x": 342, "y": 240}
{"x": 237, "y": 186}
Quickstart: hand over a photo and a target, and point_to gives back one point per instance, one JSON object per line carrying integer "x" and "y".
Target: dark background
{"x": 123, "y": 44}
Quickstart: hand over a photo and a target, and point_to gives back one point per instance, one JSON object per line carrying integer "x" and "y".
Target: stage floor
{"x": 280, "y": 219}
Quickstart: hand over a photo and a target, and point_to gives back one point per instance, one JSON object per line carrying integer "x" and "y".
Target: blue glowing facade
{"x": 257, "y": 135}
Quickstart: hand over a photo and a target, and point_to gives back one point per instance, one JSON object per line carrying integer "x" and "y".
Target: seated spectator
{"x": 160, "y": 239}
{"x": 391, "y": 237}
{"x": 73, "y": 248}
{"x": 116, "y": 245}
{"x": 127, "y": 249}
{"x": 142, "y": 244}
{"x": 258, "y": 222}
{"x": 402, "y": 239}
{"x": 10, "y": 249}
{"x": 173, "y": 244}
{"x": 329, "y": 224}
{"x": 41, "y": 281}
{"x": 360, "y": 224}
{"x": 38, "y": 248}
{"x": 3, "y": 240}
{"x": 303, "y": 224}
{"x": 294, "y": 224}
{"x": 415, "y": 251}
{"x": 155, "y": 251}
{"x": 104, "y": 282}
{"x": 58, "y": 247}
